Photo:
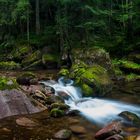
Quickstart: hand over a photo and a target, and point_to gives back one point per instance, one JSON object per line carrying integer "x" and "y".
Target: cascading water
{"x": 100, "y": 111}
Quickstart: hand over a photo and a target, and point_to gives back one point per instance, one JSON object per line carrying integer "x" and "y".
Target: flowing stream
{"x": 100, "y": 111}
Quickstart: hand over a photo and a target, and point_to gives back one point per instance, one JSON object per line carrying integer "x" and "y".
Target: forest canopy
{"x": 113, "y": 25}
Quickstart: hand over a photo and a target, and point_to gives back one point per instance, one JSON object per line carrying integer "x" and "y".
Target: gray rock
{"x": 63, "y": 134}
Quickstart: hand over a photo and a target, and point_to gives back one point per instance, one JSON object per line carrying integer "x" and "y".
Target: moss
{"x": 88, "y": 91}
{"x": 57, "y": 113}
{"x": 49, "y": 57}
{"x": 7, "y": 83}
{"x": 30, "y": 75}
{"x": 63, "y": 72}
{"x": 21, "y": 51}
{"x": 91, "y": 79}
{"x": 132, "y": 77}
{"x": 32, "y": 58}
{"x": 10, "y": 65}
{"x": 60, "y": 106}
{"x": 129, "y": 64}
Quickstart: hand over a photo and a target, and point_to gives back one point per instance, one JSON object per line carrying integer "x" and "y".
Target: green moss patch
{"x": 9, "y": 65}
{"x": 32, "y": 58}
{"x": 7, "y": 83}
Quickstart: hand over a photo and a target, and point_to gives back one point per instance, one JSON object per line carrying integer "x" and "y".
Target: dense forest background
{"x": 111, "y": 24}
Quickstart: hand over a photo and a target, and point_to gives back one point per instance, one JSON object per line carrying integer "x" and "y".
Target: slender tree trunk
{"x": 28, "y": 26}
{"x": 37, "y": 18}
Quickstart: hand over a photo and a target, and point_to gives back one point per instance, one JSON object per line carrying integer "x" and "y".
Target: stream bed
{"x": 45, "y": 126}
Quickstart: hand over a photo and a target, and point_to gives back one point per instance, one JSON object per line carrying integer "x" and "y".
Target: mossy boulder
{"x": 20, "y": 52}
{"x": 61, "y": 106}
{"x": 92, "y": 56}
{"x": 26, "y": 78}
{"x": 129, "y": 66}
{"x": 31, "y": 58}
{"x": 8, "y": 83}
{"x": 9, "y": 65}
{"x": 94, "y": 81}
{"x": 57, "y": 113}
{"x": 50, "y": 60}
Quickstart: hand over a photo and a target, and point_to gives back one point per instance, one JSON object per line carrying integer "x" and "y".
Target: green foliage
{"x": 132, "y": 77}
{"x": 9, "y": 65}
{"x": 63, "y": 72}
{"x": 7, "y": 83}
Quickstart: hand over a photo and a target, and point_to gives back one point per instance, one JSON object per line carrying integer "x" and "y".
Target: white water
{"x": 100, "y": 111}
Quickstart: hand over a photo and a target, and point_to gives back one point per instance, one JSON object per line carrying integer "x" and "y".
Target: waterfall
{"x": 97, "y": 110}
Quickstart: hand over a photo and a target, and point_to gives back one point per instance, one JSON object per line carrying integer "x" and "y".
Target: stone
{"x": 109, "y": 130}
{"x": 63, "y": 134}
{"x": 39, "y": 94}
{"x": 78, "y": 129}
{"x": 115, "y": 137}
{"x": 73, "y": 121}
{"x": 26, "y": 122}
{"x": 72, "y": 113}
{"x": 56, "y": 113}
{"x": 94, "y": 81}
{"x": 14, "y": 102}
{"x": 6, "y": 130}
{"x": 130, "y": 117}
{"x": 24, "y": 79}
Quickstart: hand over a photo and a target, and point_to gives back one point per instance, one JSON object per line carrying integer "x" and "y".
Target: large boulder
{"x": 15, "y": 102}
{"x": 92, "y": 56}
{"x": 94, "y": 81}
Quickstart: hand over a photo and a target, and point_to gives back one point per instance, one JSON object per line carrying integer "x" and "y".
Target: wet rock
{"x": 63, "y": 95}
{"x": 109, "y": 130}
{"x": 39, "y": 94}
{"x": 26, "y": 122}
{"x": 115, "y": 137}
{"x": 57, "y": 113}
{"x": 78, "y": 129}
{"x": 94, "y": 80}
{"x": 63, "y": 134}
{"x": 61, "y": 106}
{"x": 72, "y": 113}
{"x": 130, "y": 117}
{"x": 73, "y": 121}
{"x": 25, "y": 78}
{"x": 34, "y": 81}
{"x": 53, "y": 99}
{"x": 5, "y": 130}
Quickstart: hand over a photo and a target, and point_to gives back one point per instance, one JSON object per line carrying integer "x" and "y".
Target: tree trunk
{"x": 37, "y": 18}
